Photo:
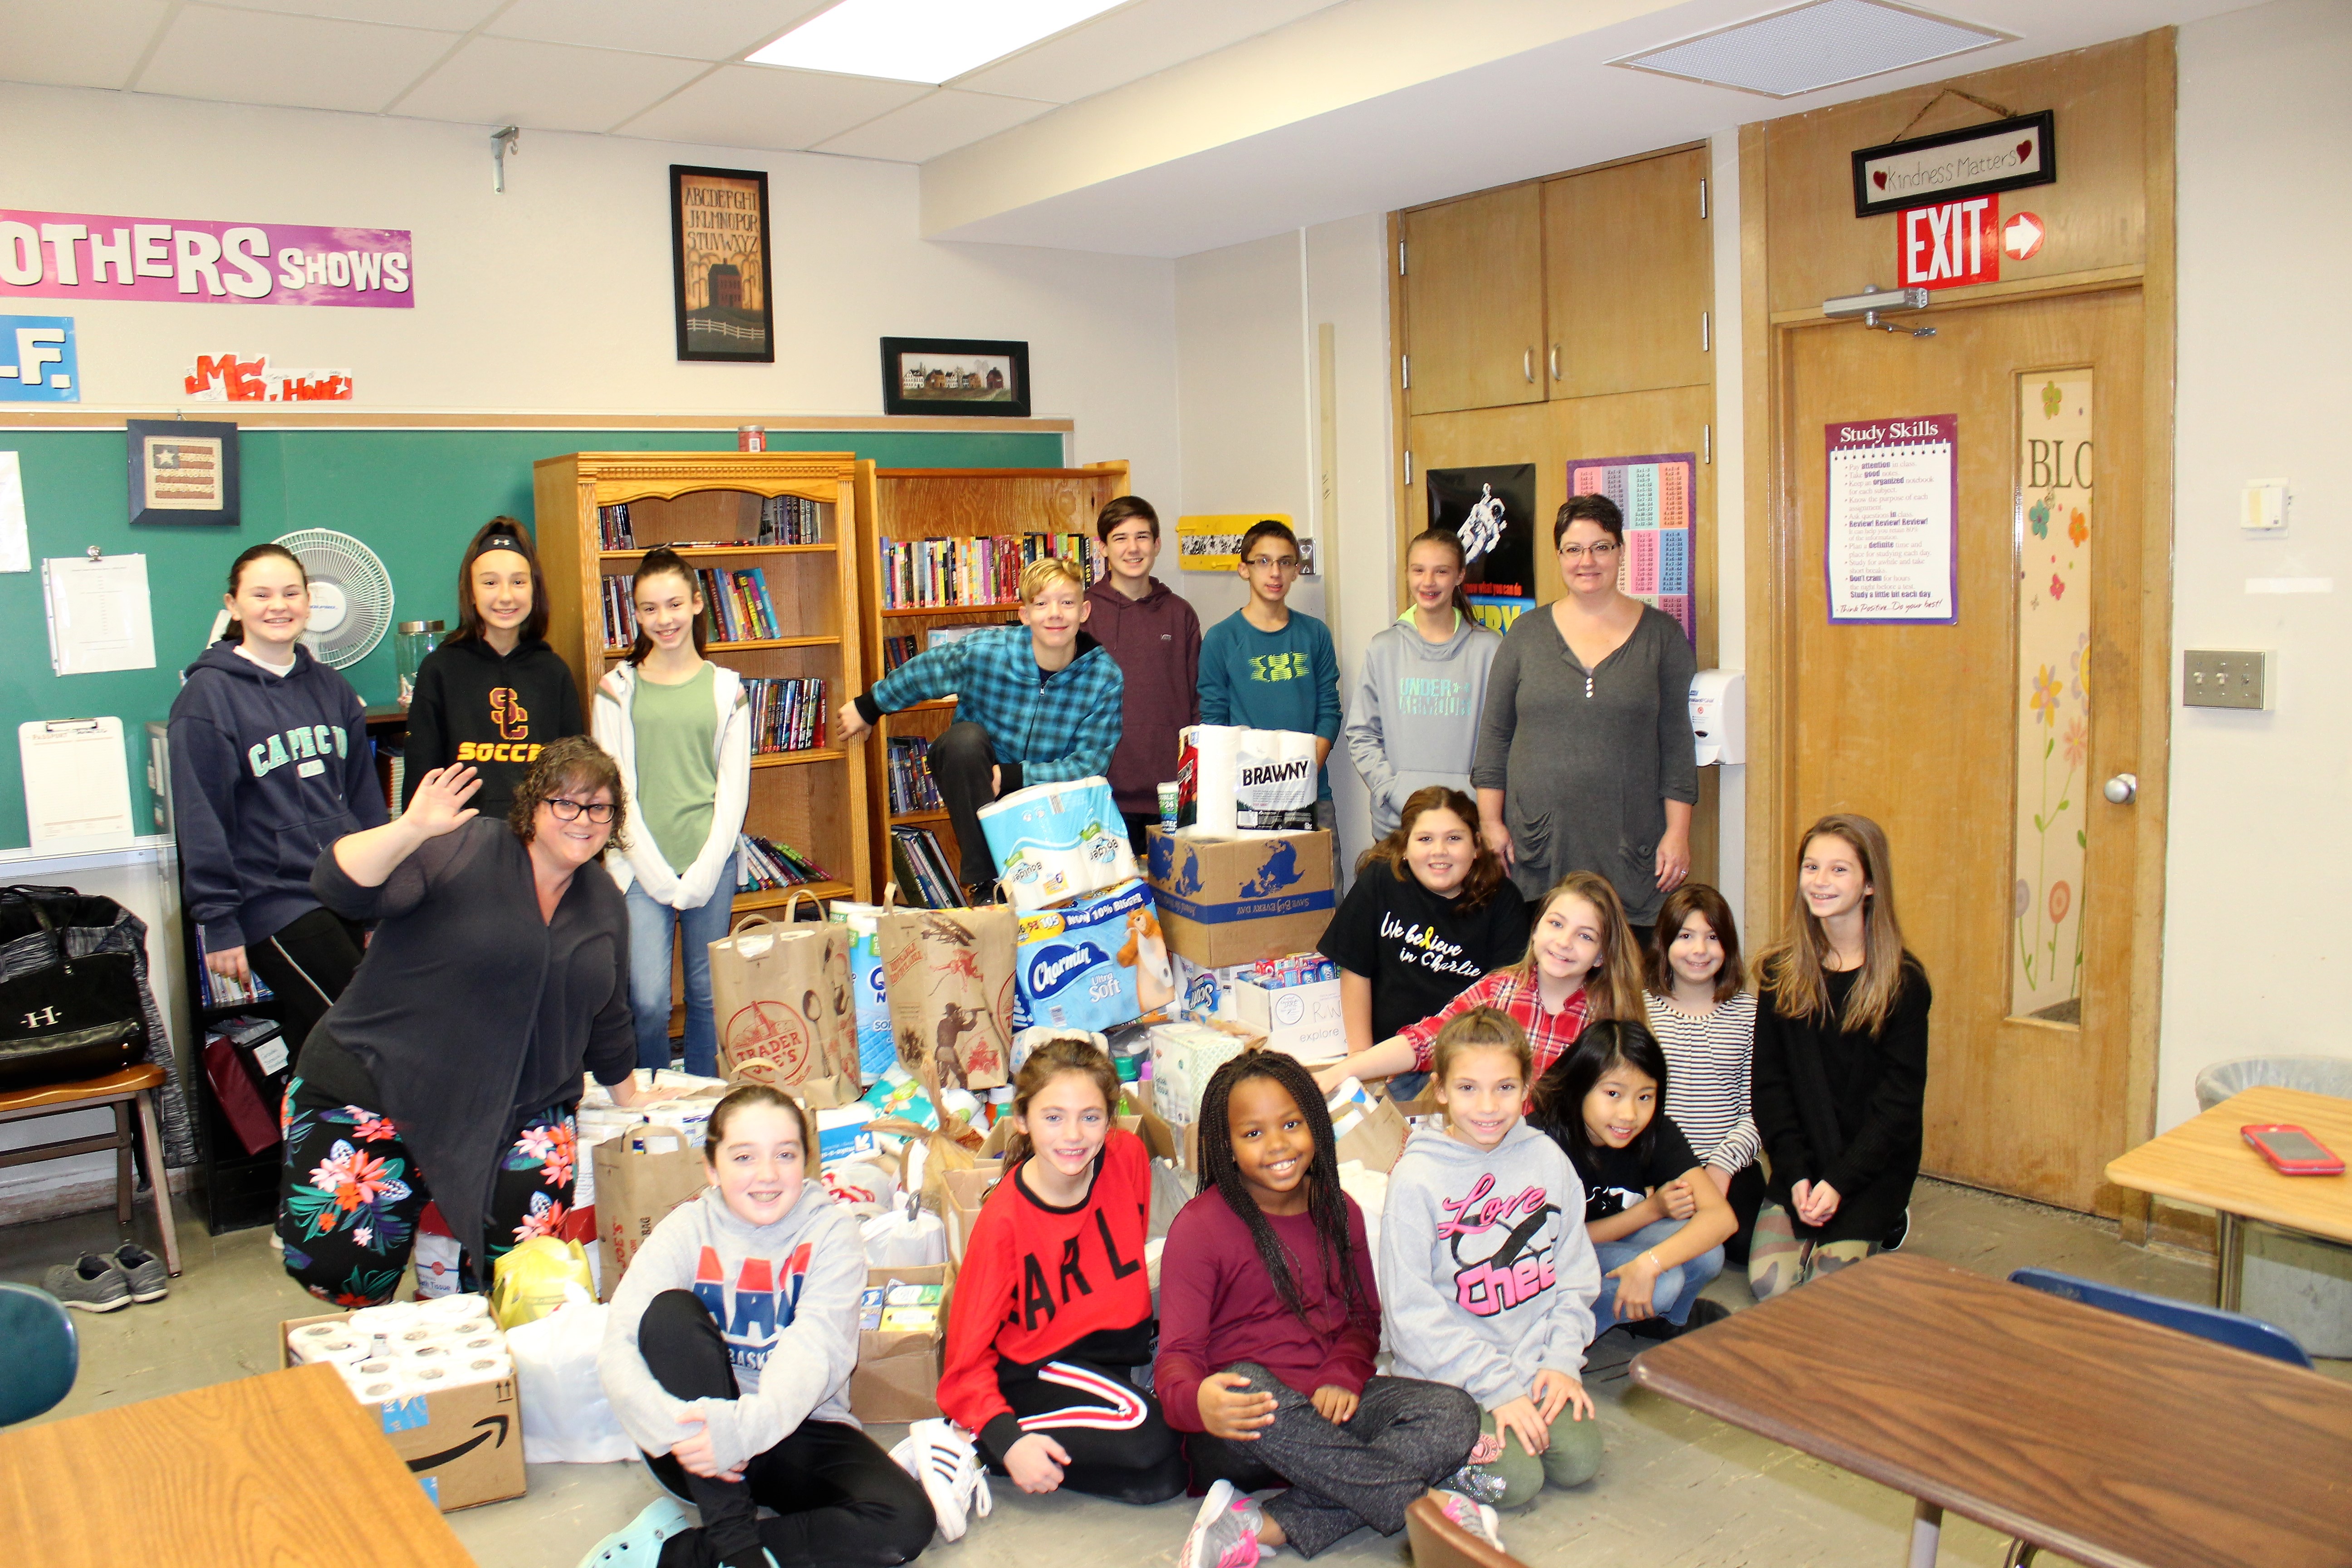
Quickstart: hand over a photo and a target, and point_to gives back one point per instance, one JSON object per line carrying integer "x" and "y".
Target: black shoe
{"x": 1898, "y": 1233}
{"x": 1654, "y": 1329}
{"x": 979, "y": 895}
{"x": 1704, "y": 1312}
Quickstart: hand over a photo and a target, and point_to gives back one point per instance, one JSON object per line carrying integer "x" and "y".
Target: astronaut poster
{"x": 1493, "y": 511}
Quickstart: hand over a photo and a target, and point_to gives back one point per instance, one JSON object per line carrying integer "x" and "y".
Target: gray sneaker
{"x": 148, "y": 1278}
{"x": 93, "y": 1284}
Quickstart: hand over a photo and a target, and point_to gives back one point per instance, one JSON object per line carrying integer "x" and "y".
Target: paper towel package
{"x": 1057, "y": 841}
{"x": 1234, "y": 900}
{"x": 875, "y": 1051}
{"x": 460, "y": 1432}
{"x": 1232, "y": 779}
{"x": 1092, "y": 963}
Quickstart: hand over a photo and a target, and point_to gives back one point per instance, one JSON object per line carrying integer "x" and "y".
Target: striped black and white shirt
{"x": 1707, "y": 1058}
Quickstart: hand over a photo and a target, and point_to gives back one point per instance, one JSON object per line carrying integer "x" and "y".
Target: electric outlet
{"x": 2212, "y": 677}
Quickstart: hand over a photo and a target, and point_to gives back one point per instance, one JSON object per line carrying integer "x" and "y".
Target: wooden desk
{"x": 284, "y": 1469}
{"x": 2207, "y": 1161}
{"x": 2111, "y": 1441}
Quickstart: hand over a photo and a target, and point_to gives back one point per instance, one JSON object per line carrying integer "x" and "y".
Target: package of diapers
{"x": 1230, "y": 779}
{"x": 1091, "y": 965}
{"x": 875, "y": 1051}
{"x": 1057, "y": 841}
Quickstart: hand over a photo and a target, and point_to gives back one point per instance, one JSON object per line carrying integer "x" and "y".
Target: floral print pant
{"x": 350, "y": 1196}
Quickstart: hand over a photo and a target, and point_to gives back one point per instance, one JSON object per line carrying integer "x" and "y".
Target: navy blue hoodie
{"x": 267, "y": 770}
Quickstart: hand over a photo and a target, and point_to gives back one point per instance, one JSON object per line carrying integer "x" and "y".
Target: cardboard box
{"x": 464, "y": 1444}
{"x": 898, "y": 1376}
{"x": 1303, "y": 1021}
{"x": 1159, "y": 1141}
{"x": 1375, "y": 1136}
{"x": 1234, "y": 900}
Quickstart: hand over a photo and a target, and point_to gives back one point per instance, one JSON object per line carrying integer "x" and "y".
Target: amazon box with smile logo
{"x": 1236, "y": 901}
{"x": 464, "y": 1444}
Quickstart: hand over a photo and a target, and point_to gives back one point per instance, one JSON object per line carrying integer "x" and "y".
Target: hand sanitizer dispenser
{"x": 1718, "y": 711}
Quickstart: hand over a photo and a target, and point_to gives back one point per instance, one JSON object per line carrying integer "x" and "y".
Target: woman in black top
{"x": 497, "y": 973}
{"x": 1841, "y": 1066}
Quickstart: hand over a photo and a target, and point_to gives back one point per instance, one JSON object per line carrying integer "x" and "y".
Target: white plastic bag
{"x": 566, "y": 1419}
{"x": 909, "y": 1237}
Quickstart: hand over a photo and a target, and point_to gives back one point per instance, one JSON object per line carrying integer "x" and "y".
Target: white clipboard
{"x": 77, "y": 784}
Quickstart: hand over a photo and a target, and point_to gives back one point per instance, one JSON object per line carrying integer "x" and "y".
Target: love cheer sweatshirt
{"x": 1039, "y": 1282}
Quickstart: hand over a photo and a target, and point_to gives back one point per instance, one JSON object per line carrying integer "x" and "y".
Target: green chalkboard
{"x": 413, "y": 496}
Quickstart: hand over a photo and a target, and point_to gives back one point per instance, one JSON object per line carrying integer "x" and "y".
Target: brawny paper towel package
{"x": 1239, "y": 780}
{"x": 1057, "y": 841}
{"x": 1093, "y": 963}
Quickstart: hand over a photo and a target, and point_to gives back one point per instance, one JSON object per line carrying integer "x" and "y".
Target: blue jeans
{"x": 1676, "y": 1288}
{"x": 650, "y": 924}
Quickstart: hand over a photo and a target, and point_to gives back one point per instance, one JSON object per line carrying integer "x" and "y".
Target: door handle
{"x": 2122, "y": 789}
{"x": 1527, "y": 364}
{"x": 1555, "y": 362}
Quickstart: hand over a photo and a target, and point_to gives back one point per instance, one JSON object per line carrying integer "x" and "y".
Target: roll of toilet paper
{"x": 371, "y": 1370}
{"x": 436, "y": 1352}
{"x": 492, "y": 1344}
{"x": 1216, "y": 766}
{"x": 472, "y": 1326}
{"x": 384, "y": 1321}
{"x": 467, "y": 1371}
{"x": 1057, "y": 841}
{"x": 454, "y": 1309}
{"x": 379, "y": 1390}
{"x": 419, "y": 1380}
{"x": 347, "y": 1350}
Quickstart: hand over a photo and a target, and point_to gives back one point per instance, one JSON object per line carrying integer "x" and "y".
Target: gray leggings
{"x": 1405, "y": 1437}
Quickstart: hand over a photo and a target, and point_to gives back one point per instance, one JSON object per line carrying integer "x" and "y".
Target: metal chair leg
{"x": 121, "y": 1161}
{"x": 2021, "y": 1554}
{"x": 1926, "y": 1532}
{"x": 153, "y": 1137}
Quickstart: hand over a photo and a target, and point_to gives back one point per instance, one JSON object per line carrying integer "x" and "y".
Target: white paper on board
{"x": 16, "y": 545}
{"x": 99, "y": 615}
{"x": 77, "y": 784}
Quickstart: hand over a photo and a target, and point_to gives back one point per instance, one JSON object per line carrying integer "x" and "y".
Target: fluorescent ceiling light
{"x": 1822, "y": 43}
{"x": 922, "y": 40}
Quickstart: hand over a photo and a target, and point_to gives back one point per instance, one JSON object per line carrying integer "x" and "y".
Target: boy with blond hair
{"x": 1035, "y": 703}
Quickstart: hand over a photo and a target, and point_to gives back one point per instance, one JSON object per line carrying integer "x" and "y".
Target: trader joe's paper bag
{"x": 950, "y": 976}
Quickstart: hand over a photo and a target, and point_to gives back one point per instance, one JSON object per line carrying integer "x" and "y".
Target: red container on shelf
{"x": 751, "y": 437}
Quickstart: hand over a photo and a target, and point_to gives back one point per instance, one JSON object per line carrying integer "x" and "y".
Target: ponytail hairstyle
{"x": 1326, "y": 1204}
{"x": 500, "y": 534}
{"x": 748, "y": 1094}
{"x": 1048, "y": 1061}
{"x": 1487, "y": 873}
{"x": 1447, "y": 539}
{"x": 1614, "y": 987}
{"x": 657, "y": 561}
{"x": 235, "y": 631}
{"x": 1791, "y": 969}
{"x": 1560, "y": 1093}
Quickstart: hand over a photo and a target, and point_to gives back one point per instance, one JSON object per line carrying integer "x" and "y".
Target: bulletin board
{"x": 1658, "y": 495}
{"x": 413, "y": 497}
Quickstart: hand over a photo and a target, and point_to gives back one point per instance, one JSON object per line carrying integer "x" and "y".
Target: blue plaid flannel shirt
{"x": 1062, "y": 727}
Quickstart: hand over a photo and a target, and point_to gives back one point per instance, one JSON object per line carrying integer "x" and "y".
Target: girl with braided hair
{"x": 1269, "y": 1319}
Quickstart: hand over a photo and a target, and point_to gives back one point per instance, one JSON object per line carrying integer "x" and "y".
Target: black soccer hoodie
{"x": 494, "y": 712}
{"x": 267, "y": 770}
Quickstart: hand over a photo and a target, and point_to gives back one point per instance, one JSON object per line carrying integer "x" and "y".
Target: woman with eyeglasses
{"x": 1586, "y": 760}
{"x": 449, "y": 1068}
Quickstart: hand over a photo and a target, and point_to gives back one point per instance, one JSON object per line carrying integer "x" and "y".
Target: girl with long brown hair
{"x": 1413, "y": 720}
{"x": 1840, "y": 1074}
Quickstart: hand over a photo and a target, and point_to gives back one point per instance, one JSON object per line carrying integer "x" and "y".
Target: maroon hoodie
{"x": 1157, "y": 641}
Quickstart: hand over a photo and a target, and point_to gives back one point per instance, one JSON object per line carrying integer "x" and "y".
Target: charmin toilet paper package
{"x": 1232, "y": 779}
{"x": 1057, "y": 841}
{"x": 1092, "y": 963}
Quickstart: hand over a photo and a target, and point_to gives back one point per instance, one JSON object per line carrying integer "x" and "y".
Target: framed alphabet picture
{"x": 955, "y": 375}
{"x": 719, "y": 251}
{"x": 183, "y": 470}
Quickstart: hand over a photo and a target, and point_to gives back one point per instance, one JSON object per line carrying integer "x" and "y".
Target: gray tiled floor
{"x": 1676, "y": 1490}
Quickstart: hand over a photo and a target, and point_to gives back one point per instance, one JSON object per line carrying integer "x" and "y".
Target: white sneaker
{"x": 1224, "y": 1531}
{"x": 1475, "y": 1517}
{"x": 937, "y": 1453}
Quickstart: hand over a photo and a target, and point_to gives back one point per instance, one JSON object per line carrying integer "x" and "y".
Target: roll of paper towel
{"x": 1217, "y": 762}
{"x": 454, "y": 1309}
{"x": 347, "y": 1350}
{"x": 471, "y": 1370}
{"x": 378, "y": 1390}
{"x": 387, "y": 1322}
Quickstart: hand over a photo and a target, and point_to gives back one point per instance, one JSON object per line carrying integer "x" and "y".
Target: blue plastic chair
{"x": 43, "y": 1354}
{"x": 2232, "y": 1329}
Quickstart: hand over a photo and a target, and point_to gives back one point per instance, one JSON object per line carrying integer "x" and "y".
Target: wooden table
{"x": 2112, "y": 1441}
{"x": 2207, "y": 1161}
{"x": 285, "y": 1469}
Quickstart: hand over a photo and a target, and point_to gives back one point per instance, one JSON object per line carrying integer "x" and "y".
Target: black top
{"x": 1420, "y": 950}
{"x": 491, "y": 710}
{"x": 1843, "y": 1108}
{"x": 1616, "y": 1179}
{"x": 469, "y": 1011}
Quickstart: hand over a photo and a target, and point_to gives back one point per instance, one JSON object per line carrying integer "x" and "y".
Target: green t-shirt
{"x": 678, "y": 762}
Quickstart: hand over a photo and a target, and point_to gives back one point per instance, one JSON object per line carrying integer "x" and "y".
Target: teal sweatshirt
{"x": 1287, "y": 679}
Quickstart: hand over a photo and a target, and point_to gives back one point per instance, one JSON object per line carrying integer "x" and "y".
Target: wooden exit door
{"x": 1982, "y": 747}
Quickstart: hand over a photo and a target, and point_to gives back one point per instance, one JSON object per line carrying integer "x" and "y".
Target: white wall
{"x": 556, "y": 295}
{"x": 2254, "y": 925}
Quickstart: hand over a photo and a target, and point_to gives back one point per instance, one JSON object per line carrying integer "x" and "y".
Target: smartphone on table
{"x": 2291, "y": 1151}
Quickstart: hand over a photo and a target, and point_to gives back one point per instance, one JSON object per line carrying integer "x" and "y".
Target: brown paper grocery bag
{"x": 780, "y": 993}
{"x": 949, "y": 973}
{"x": 640, "y": 1175}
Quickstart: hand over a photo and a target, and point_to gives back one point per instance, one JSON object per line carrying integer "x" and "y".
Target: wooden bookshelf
{"x": 797, "y": 797}
{"x": 949, "y": 504}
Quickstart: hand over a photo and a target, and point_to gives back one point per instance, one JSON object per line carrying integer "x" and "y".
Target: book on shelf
{"x": 765, "y": 865}
{"x": 787, "y": 715}
{"x": 612, "y": 531}
{"x": 220, "y": 991}
{"x": 978, "y": 570}
{"x": 791, "y": 520}
{"x": 920, "y": 868}
{"x": 911, "y": 787}
{"x": 898, "y": 650}
{"x": 737, "y": 603}
{"x": 620, "y": 614}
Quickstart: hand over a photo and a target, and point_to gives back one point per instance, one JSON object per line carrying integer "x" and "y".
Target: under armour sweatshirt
{"x": 1413, "y": 720}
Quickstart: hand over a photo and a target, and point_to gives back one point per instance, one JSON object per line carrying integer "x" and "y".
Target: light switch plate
{"x": 2215, "y": 677}
{"x": 2264, "y": 508}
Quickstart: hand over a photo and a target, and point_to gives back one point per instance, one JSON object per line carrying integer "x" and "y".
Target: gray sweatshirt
{"x": 1413, "y": 719}
{"x": 785, "y": 1296}
{"x": 1486, "y": 1274}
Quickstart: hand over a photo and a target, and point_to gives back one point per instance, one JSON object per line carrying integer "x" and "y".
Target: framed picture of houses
{"x": 955, "y": 375}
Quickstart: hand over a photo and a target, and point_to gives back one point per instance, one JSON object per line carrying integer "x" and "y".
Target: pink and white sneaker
{"x": 1224, "y": 1532}
{"x": 1475, "y": 1517}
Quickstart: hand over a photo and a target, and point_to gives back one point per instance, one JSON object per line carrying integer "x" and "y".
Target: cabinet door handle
{"x": 1527, "y": 364}
{"x": 1555, "y": 362}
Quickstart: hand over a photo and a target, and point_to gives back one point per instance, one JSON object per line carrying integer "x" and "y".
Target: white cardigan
{"x": 616, "y": 731}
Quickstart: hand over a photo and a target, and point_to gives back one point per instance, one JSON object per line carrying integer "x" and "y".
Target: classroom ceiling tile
{"x": 307, "y": 62}
{"x": 95, "y": 43}
{"x": 710, "y": 30}
{"x": 1130, "y": 44}
{"x": 544, "y": 86}
{"x": 764, "y": 106}
{"x": 451, "y": 15}
{"x": 929, "y": 126}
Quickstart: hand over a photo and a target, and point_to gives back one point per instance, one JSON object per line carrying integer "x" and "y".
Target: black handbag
{"x": 66, "y": 1018}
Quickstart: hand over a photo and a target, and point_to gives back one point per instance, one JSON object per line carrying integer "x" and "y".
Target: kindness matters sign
{"x": 85, "y": 256}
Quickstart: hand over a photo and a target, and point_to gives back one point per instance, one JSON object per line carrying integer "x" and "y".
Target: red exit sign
{"x": 1949, "y": 245}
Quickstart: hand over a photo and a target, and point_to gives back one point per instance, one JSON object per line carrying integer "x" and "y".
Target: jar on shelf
{"x": 411, "y": 642}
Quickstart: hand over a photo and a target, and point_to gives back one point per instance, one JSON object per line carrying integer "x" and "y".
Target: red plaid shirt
{"x": 1549, "y": 1034}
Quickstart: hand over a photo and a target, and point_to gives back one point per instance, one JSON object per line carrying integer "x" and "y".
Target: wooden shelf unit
{"x": 796, "y": 797}
{"x": 949, "y": 504}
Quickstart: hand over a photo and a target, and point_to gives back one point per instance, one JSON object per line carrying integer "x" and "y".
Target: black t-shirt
{"x": 1420, "y": 950}
{"x": 1616, "y": 1179}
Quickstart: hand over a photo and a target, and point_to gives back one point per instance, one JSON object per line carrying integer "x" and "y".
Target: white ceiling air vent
{"x": 1811, "y": 47}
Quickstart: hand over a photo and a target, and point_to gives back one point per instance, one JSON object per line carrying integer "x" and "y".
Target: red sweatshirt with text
{"x": 1040, "y": 1282}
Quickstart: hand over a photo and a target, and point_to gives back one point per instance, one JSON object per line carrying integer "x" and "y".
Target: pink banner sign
{"x": 86, "y": 255}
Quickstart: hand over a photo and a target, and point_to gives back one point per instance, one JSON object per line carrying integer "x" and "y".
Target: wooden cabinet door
{"x": 1473, "y": 302}
{"x": 1629, "y": 271}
